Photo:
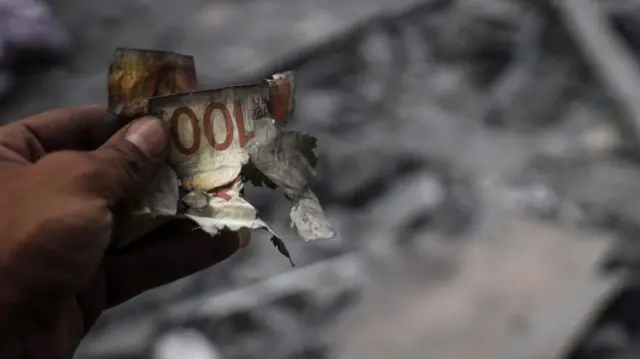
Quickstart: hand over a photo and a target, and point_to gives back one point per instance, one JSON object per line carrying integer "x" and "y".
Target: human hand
{"x": 59, "y": 184}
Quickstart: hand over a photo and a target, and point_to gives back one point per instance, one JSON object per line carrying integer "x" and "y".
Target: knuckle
{"x": 101, "y": 215}
{"x": 17, "y": 138}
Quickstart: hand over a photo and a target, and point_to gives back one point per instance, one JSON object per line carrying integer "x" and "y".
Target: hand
{"x": 59, "y": 183}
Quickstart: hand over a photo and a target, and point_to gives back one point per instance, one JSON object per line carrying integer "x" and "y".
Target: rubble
{"x": 29, "y": 32}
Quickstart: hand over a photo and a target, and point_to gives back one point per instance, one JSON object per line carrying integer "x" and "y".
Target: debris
{"x": 611, "y": 60}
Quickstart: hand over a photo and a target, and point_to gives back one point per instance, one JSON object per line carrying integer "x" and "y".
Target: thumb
{"x": 130, "y": 158}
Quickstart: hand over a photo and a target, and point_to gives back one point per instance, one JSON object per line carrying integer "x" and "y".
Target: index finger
{"x": 84, "y": 128}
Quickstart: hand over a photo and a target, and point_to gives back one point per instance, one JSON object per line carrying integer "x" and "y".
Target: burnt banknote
{"x": 210, "y": 131}
{"x": 220, "y": 139}
{"x": 217, "y": 134}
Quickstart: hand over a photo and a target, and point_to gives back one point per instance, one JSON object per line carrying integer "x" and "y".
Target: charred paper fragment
{"x": 308, "y": 218}
{"x": 220, "y": 139}
{"x": 136, "y": 75}
{"x": 282, "y": 248}
{"x": 286, "y": 158}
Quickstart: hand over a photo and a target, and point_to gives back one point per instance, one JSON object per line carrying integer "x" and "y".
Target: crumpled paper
{"x": 220, "y": 140}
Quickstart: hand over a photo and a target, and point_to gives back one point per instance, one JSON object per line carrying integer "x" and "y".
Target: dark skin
{"x": 62, "y": 175}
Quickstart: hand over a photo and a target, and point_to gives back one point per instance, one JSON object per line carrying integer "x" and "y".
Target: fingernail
{"x": 149, "y": 135}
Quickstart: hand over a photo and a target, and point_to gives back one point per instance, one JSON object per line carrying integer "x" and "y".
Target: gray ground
{"x": 437, "y": 122}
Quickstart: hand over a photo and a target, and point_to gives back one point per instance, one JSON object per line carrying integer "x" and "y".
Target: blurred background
{"x": 479, "y": 159}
